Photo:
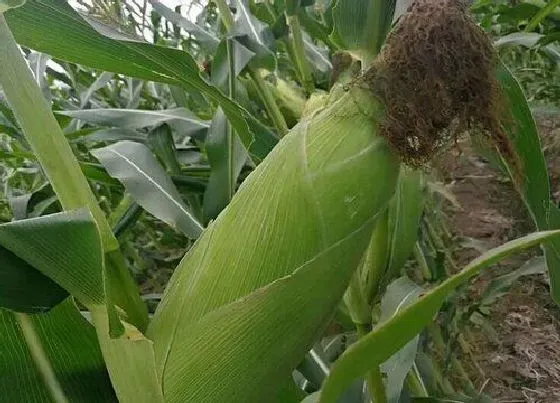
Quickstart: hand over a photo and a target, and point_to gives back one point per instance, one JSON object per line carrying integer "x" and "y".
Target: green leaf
{"x": 38, "y": 64}
{"x": 254, "y": 35}
{"x": 71, "y": 348}
{"x": 400, "y": 294}
{"x": 535, "y": 191}
{"x": 24, "y": 288}
{"x": 180, "y": 119}
{"x": 67, "y": 248}
{"x": 312, "y": 398}
{"x": 130, "y": 360}
{"x": 109, "y": 135}
{"x": 97, "y": 173}
{"x": 76, "y": 267}
{"x": 360, "y": 26}
{"x": 405, "y": 212}
{"x": 161, "y": 142}
{"x": 220, "y": 64}
{"x": 390, "y": 336}
{"x": 44, "y": 135}
{"x": 315, "y": 29}
{"x": 284, "y": 275}
{"x": 552, "y": 252}
{"x": 41, "y": 23}
{"x": 101, "y": 81}
{"x": 542, "y": 14}
{"x": 145, "y": 179}
{"x": 207, "y": 39}
{"x": 314, "y": 367}
{"x": 318, "y": 56}
{"x": 530, "y": 40}
{"x": 226, "y": 156}
{"x": 500, "y": 286}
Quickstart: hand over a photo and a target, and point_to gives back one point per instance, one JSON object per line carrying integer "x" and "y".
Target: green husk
{"x": 306, "y": 213}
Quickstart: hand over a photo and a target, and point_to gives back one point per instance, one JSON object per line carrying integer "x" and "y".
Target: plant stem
{"x": 299, "y": 53}
{"x": 144, "y": 9}
{"x": 269, "y": 102}
{"x": 125, "y": 215}
{"x": 40, "y": 357}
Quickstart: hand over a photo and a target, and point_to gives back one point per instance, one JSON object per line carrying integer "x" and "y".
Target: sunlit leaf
{"x": 181, "y": 119}
{"x": 145, "y": 179}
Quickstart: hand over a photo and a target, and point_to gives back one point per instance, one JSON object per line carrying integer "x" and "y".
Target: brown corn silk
{"x": 435, "y": 76}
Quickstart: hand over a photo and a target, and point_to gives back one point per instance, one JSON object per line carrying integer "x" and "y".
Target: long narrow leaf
{"x": 146, "y": 180}
{"x": 400, "y": 294}
{"x": 360, "y": 26}
{"x": 226, "y": 159}
{"x": 392, "y": 335}
{"x": 66, "y": 247}
{"x": 535, "y": 191}
{"x": 207, "y": 39}
{"x": 254, "y": 35}
{"x": 181, "y": 119}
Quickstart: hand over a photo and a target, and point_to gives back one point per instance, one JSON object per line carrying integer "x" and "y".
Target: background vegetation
{"x": 165, "y": 140}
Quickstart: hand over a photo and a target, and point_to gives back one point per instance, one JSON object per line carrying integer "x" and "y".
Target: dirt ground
{"x": 521, "y": 362}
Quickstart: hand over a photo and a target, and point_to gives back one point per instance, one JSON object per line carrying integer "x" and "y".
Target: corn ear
{"x": 279, "y": 256}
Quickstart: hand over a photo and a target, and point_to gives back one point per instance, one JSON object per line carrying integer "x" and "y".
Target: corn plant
{"x": 526, "y": 36}
{"x": 300, "y": 208}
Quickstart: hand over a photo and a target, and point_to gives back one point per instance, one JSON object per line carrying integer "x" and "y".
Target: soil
{"x": 518, "y": 360}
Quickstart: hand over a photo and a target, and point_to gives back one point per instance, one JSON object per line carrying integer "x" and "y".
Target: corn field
{"x": 242, "y": 201}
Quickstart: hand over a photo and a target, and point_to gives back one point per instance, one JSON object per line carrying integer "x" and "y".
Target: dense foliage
{"x": 241, "y": 171}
